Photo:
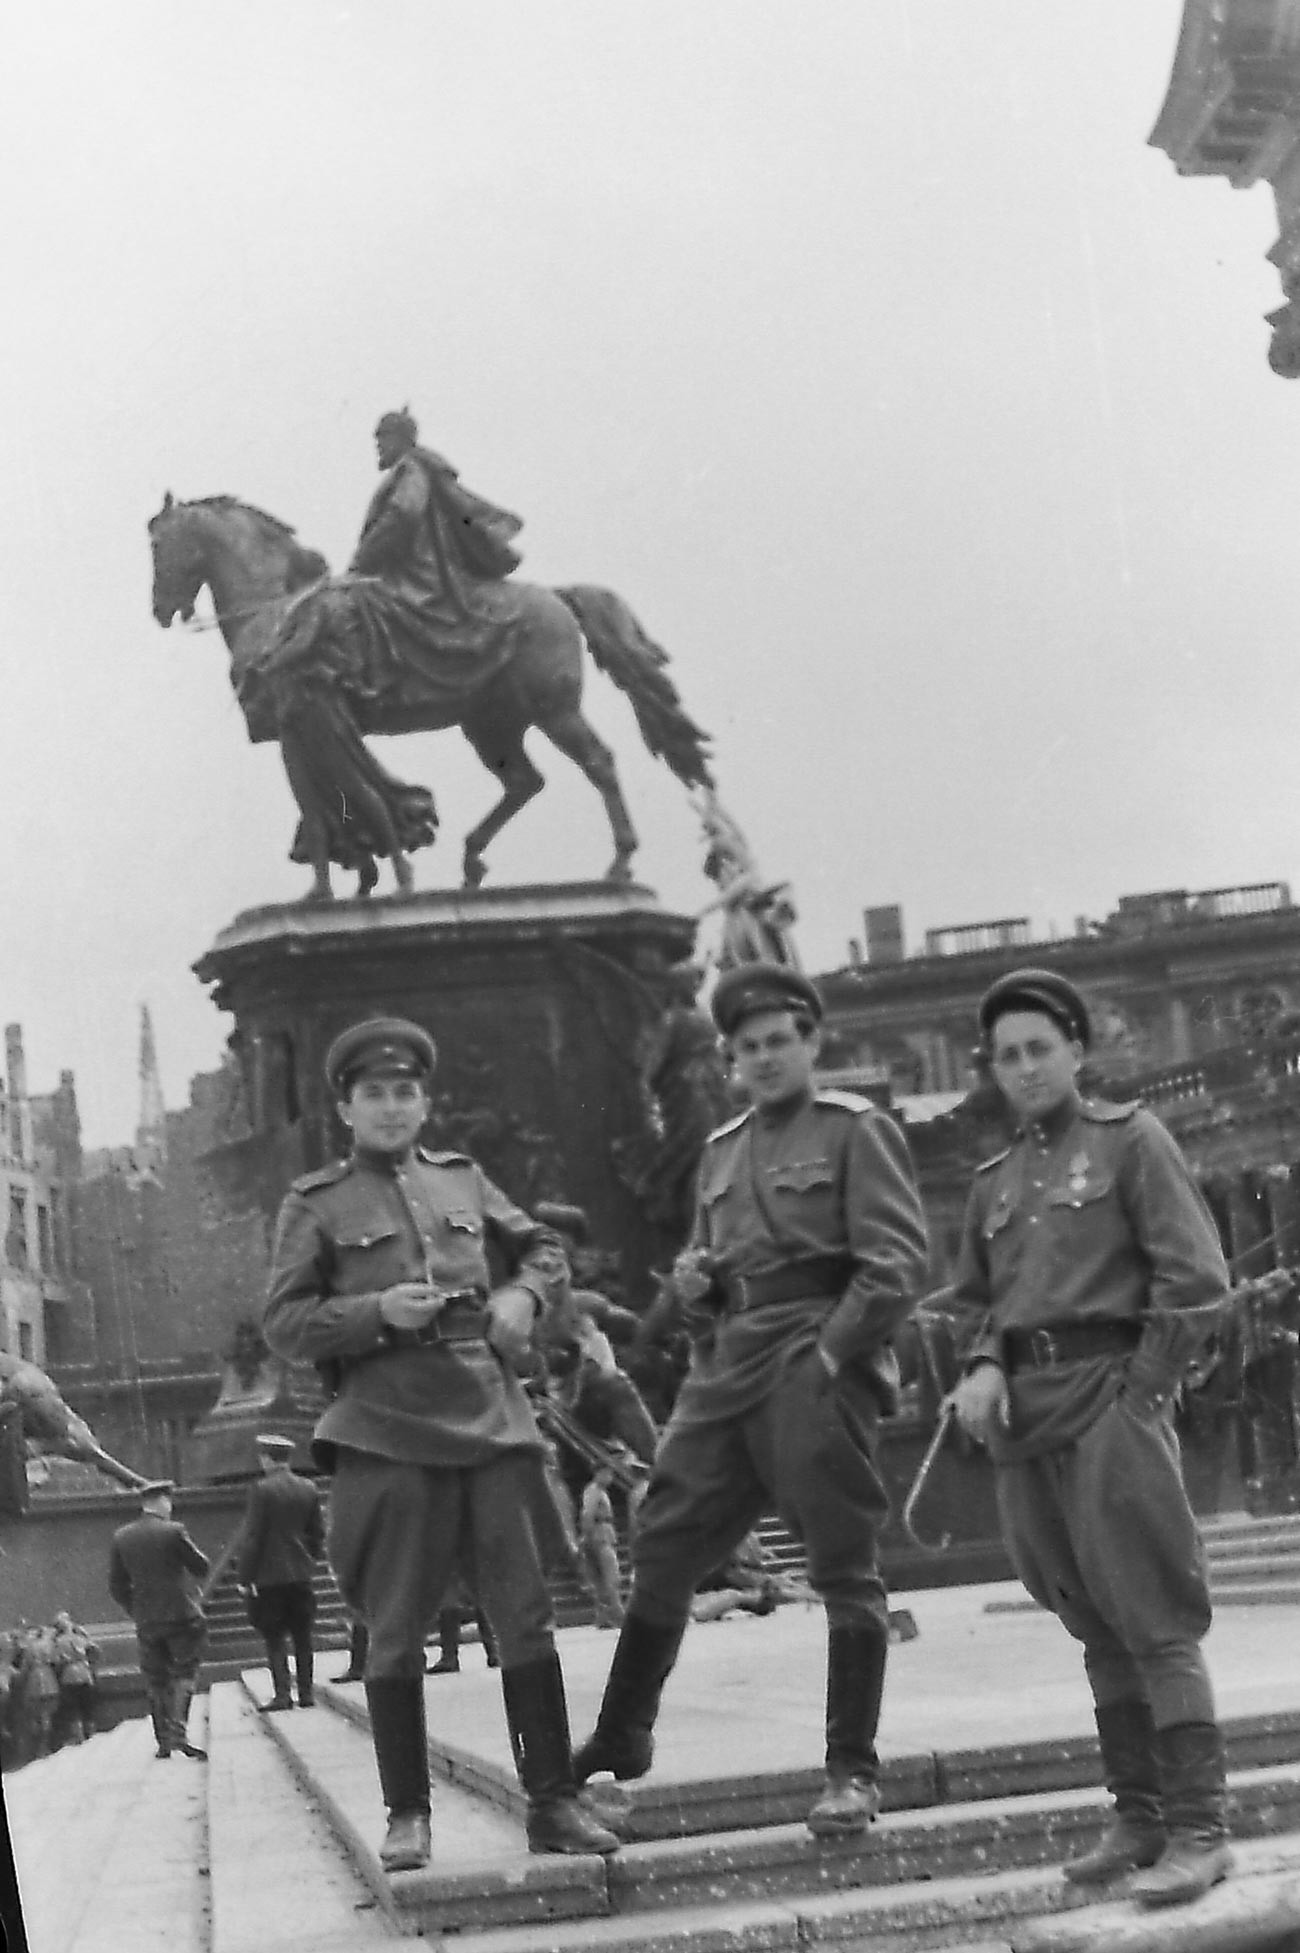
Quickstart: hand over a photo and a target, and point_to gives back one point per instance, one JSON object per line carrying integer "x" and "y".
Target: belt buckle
{"x": 1043, "y": 1346}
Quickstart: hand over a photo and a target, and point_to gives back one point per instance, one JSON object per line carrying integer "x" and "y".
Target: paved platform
{"x": 990, "y": 1775}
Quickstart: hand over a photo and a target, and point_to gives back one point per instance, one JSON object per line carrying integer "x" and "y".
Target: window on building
{"x": 56, "y": 1342}
{"x": 44, "y": 1235}
{"x": 16, "y": 1241}
{"x": 25, "y": 1341}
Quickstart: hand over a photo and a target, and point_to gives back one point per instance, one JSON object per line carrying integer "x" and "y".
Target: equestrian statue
{"x": 427, "y": 629}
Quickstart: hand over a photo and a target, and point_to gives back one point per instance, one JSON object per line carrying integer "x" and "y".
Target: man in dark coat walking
{"x": 283, "y": 1538}
{"x": 153, "y": 1573}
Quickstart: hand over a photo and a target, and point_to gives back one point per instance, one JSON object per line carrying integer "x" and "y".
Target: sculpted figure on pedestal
{"x": 427, "y": 630}
{"x": 49, "y": 1425}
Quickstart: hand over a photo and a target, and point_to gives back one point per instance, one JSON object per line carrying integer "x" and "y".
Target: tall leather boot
{"x": 304, "y": 1663}
{"x": 396, "y": 1706}
{"x": 623, "y": 1739}
{"x": 181, "y": 1695}
{"x": 1193, "y": 1792}
{"x": 538, "y": 1719}
{"x": 358, "y": 1648}
{"x": 855, "y": 1683}
{"x": 489, "y": 1640}
{"x": 277, "y": 1660}
{"x": 448, "y": 1662}
{"x": 1134, "y": 1836}
{"x": 160, "y": 1717}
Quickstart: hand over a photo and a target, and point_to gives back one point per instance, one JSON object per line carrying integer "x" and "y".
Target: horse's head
{"x": 180, "y": 564}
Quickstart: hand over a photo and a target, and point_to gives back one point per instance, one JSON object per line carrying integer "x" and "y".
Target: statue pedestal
{"x": 540, "y": 1000}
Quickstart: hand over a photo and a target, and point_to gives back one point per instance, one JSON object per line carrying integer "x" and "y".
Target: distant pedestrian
{"x": 283, "y": 1538}
{"x": 451, "y": 1619}
{"x": 76, "y": 1658}
{"x": 598, "y": 1535}
{"x": 38, "y": 1684}
{"x": 153, "y": 1575}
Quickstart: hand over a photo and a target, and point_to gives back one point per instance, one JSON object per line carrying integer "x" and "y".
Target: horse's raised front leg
{"x": 584, "y": 746}
{"x": 503, "y": 754}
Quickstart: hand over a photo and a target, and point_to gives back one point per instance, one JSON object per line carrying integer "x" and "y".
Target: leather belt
{"x": 1068, "y": 1342}
{"x": 463, "y": 1318}
{"x": 818, "y": 1275}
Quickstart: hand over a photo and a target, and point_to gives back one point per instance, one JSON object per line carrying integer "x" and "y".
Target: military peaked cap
{"x": 391, "y": 1047}
{"x": 1044, "y": 990}
{"x": 156, "y": 1488}
{"x": 277, "y": 1446}
{"x": 754, "y": 987}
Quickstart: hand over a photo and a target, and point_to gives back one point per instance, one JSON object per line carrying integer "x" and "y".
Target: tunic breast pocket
{"x": 368, "y": 1258}
{"x": 805, "y": 1191}
{"x": 1083, "y": 1213}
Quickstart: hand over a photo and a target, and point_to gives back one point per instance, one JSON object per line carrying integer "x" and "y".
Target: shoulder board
{"x": 324, "y": 1176}
{"x": 448, "y": 1158}
{"x": 997, "y": 1159}
{"x": 844, "y": 1101}
{"x": 732, "y": 1125}
{"x": 1101, "y": 1113}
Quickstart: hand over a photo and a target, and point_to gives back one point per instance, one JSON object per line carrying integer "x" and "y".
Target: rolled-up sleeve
{"x": 885, "y": 1225}
{"x": 303, "y": 1321}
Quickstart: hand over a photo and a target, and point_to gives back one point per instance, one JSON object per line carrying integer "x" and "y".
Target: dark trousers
{"x": 1102, "y": 1533}
{"x": 170, "y": 1653}
{"x": 809, "y": 1451}
{"x": 398, "y": 1534}
{"x": 283, "y": 1615}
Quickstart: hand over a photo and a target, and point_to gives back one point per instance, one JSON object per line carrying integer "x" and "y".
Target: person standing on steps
{"x": 380, "y": 1272}
{"x": 283, "y": 1538}
{"x": 807, "y": 1253}
{"x": 1093, "y": 1273}
{"x": 450, "y": 1620}
{"x": 153, "y": 1574}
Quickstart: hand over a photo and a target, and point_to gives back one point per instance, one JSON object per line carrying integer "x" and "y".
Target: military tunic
{"x": 1091, "y": 1217}
{"x": 436, "y": 1452}
{"x": 812, "y": 1219}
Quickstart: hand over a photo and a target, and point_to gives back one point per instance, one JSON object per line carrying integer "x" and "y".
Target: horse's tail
{"x": 638, "y": 666}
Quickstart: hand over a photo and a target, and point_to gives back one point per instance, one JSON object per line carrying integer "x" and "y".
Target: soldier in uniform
{"x": 1094, "y": 1273}
{"x": 283, "y": 1537}
{"x": 380, "y": 1271}
{"x": 153, "y": 1573}
{"x": 807, "y": 1252}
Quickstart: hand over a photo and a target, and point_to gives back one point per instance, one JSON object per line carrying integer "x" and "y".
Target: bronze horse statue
{"x": 292, "y": 634}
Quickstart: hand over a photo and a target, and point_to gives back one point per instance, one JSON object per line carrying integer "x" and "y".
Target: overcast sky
{"x": 913, "y": 402}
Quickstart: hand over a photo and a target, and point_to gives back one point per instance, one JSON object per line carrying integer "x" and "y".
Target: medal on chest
{"x": 1076, "y": 1181}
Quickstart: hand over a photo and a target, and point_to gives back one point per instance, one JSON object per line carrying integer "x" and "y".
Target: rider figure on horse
{"x": 433, "y": 543}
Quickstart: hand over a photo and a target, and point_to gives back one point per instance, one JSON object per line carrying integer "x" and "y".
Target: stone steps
{"x": 272, "y": 1847}
{"x": 926, "y": 1869}
{"x": 135, "y": 1880}
{"x": 277, "y": 1876}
